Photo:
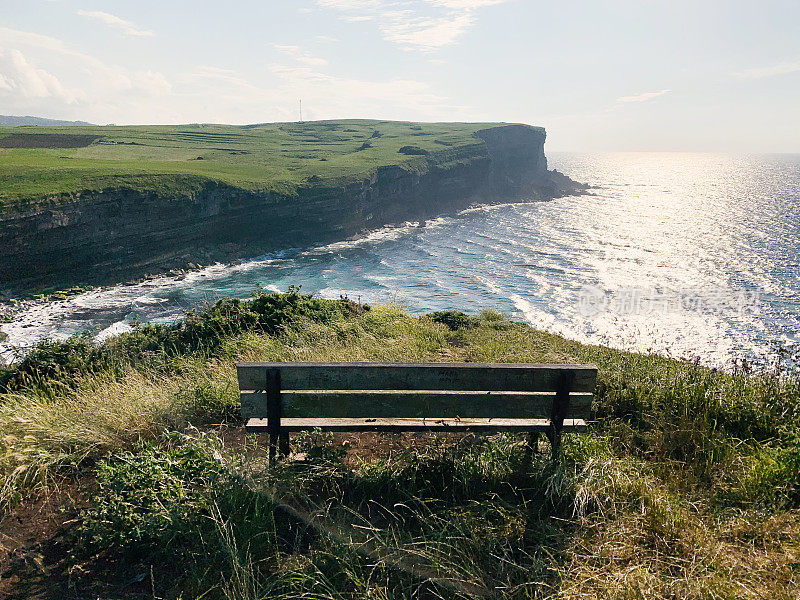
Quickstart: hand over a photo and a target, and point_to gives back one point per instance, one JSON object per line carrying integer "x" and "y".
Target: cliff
{"x": 122, "y": 233}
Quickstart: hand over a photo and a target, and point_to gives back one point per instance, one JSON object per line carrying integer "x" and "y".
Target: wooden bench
{"x": 279, "y": 398}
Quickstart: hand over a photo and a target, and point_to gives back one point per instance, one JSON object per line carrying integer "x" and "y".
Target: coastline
{"x": 10, "y": 307}
{"x": 122, "y": 235}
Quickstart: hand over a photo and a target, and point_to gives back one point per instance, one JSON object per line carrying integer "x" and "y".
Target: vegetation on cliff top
{"x": 686, "y": 484}
{"x": 181, "y": 159}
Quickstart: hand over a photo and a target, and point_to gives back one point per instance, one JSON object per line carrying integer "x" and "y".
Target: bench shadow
{"x": 457, "y": 515}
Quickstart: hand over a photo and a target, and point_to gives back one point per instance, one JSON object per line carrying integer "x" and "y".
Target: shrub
{"x": 163, "y": 500}
{"x": 413, "y": 151}
{"x": 495, "y": 320}
{"x": 454, "y": 319}
{"x": 51, "y": 359}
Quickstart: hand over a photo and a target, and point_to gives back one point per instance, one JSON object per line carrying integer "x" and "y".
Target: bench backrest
{"x": 408, "y": 390}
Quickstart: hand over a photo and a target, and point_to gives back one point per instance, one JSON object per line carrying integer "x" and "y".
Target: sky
{"x": 643, "y": 75}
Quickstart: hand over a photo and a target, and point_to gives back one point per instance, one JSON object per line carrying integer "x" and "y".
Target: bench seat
{"x": 414, "y": 424}
{"x": 280, "y": 398}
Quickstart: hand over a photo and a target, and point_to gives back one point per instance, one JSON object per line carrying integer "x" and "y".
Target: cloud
{"x": 127, "y": 27}
{"x": 425, "y": 25}
{"x": 465, "y": 4}
{"x": 330, "y": 96}
{"x": 426, "y": 34}
{"x": 21, "y": 78}
{"x": 779, "y": 69}
{"x": 217, "y": 93}
{"x": 300, "y": 55}
{"x": 15, "y": 37}
{"x": 150, "y": 82}
{"x": 43, "y": 75}
{"x": 352, "y": 4}
{"x": 326, "y": 38}
{"x": 55, "y": 51}
{"x": 643, "y": 97}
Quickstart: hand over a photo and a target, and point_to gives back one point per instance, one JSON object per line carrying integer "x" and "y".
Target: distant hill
{"x": 28, "y": 120}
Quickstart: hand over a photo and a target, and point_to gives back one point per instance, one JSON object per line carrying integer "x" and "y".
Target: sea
{"x": 695, "y": 256}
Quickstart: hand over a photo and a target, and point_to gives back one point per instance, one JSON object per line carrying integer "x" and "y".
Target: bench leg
{"x": 531, "y": 447}
{"x": 554, "y": 435}
{"x": 273, "y": 446}
{"x": 560, "y": 411}
{"x": 533, "y": 441}
{"x": 278, "y": 445}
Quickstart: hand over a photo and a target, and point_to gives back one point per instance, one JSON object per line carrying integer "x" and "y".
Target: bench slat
{"x": 383, "y": 404}
{"x": 421, "y": 376}
{"x": 422, "y": 424}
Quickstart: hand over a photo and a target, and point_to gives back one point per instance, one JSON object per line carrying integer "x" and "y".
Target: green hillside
{"x": 39, "y": 161}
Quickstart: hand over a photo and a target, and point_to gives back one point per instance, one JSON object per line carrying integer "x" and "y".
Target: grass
{"x": 686, "y": 486}
{"x": 181, "y": 159}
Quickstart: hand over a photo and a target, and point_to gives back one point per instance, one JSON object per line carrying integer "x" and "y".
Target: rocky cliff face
{"x": 120, "y": 234}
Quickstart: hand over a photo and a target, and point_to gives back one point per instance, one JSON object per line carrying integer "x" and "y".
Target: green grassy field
{"x": 125, "y": 473}
{"x": 179, "y": 159}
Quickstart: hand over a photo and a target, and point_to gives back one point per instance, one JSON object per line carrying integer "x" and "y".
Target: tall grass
{"x": 687, "y": 484}
{"x": 460, "y": 520}
{"x": 68, "y": 407}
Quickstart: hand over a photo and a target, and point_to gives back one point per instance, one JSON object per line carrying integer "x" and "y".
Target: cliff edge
{"x": 112, "y": 234}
